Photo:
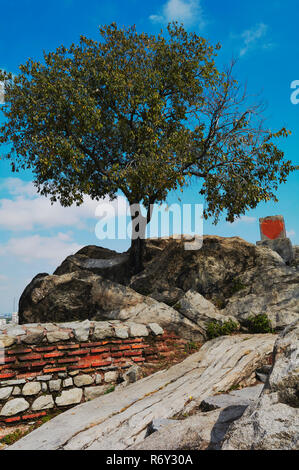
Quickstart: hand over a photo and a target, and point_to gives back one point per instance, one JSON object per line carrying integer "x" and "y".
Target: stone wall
{"x": 44, "y": 367}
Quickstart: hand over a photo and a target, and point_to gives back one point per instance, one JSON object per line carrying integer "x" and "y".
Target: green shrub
{"x": 109, "y": 390}
{"x": 259, "y": 324}
{"x": 217, "y": 328}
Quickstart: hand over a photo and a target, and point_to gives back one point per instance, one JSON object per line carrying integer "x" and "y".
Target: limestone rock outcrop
{"x": 81, "y": 294}
{"x": 239, "y": 278}
{"x": 272, "y": 423}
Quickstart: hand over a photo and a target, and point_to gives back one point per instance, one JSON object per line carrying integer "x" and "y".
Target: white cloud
{"x": 252, "y": 36}
{"x": 35, "y": 247}
{"x": 26, "y": 210}
{"x": 291, "y": 233}
{"x": 244, "y": 219}
{"x": 184, "y": 11}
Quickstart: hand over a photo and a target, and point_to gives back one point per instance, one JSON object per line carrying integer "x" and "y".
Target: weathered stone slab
{"x": 120, "y": 419}
{"x": 5, "y": 392}
{"x": 44, "y": 402}
{"x": 83, "y": 380}
{"x": 31, "y": 388}
{"x": 15, "y": 406}
{"x": 243, "y": 397}
{"x": 282, "y": 246}
{"x": 69, "y": 397}
{"x": 272, "y": 422}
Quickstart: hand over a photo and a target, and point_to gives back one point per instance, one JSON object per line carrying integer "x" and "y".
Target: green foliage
{"x": 191, "y": 347}
{"x": 11, "y": 438}
{"x": 109, "y": 390}
{"x": 259, "y": 324}
{"x": 217, "y": 328}
{"x": 142, "y": 114}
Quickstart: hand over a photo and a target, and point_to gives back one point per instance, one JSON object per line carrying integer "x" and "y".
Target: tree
{"x": 144, "y": 115}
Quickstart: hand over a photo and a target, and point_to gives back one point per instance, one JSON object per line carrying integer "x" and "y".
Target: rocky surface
{"x": 282, "y": 246}
{"x": 239, "y": 278}
{"x": 81, "y": 294}
{"x": 203, "y": 431}
{"x": 271, "y": 289}
{"x": 107, "y": 263}
{"x": 121, "y": 419}
{"x": 272, "y": 422}
{"x": 200, "y": 311}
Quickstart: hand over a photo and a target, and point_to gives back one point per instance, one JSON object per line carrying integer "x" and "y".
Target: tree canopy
{"x": 143, "y": 114}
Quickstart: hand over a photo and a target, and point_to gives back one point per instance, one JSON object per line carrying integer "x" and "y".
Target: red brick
{"x": 7, "y": 375}
{"x": 28, "y": 374}
{"x": 135, "y": 340}
{"x": 151, "y": 358}
{"x": 138, "y": 359}
{"x": 76, "y": 367}
{"x": 124, "y": 348}
{"x": 69, "y": 346}
{"x": 34, "y": 415}
{"x": 67, "y": 360}
{"x": 9, "y": 359}
{"x": 137, "y": 346}
{"x": 167, "y": 354}
{"x": 100, "y": 350}
{"x": 91, "y": 345}
{"x": 12, "y": 420}
{"x": 117, "y": 354}
{"x": 19, "y": 351}
{"x": 150, "y": 351}
{"x": 23, "y": 365}
{"x": 30, "y": 357}
{"x": 116, "y": 341}
{"x": 53, "y": 354}
{"x": 132, "y": 353}
{"x": 45, "y": 348}
{"x": 101, "y": 363}
{"x": 39, "y": 364}
{"x": 78, "y": 352}
{"x": 55, "y": 369}
{"x": 122, "y": 359}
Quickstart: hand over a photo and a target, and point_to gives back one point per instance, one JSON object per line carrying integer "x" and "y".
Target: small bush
{"x": 259, "y": 324}
{"x": 217, "y": 328}
{"x": 110, "y": 389}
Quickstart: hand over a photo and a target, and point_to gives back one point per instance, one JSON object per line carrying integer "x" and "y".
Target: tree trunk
{"x": 139, "y": 223}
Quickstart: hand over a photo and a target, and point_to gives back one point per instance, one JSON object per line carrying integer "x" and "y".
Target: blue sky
{"x": 262, "y": 34}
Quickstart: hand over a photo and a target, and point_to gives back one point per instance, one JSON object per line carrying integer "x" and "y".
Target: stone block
{"x": 282, "y": 246}
{"x": 69, "y": 397}
{"x": 15, "y": 406}
{"x": 272, "y": 227}
{"x": 44, "y": 402}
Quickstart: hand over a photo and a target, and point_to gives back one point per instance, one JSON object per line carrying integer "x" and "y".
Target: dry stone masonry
{"x": 49, "y": 366}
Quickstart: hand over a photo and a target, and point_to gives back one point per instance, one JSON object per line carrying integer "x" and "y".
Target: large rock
{"x": 98, "y": 260}
{"x": 212, "y": 270}
{"x": 200, "y": 311}
{"x": 120, "y": 419}
{"x": 82, "y": 294}
{"x": 283, "y": 246}
{"x": 268, "y": 288}
{"x": 201, "y": 431}
{"x": 272, "y": 423}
